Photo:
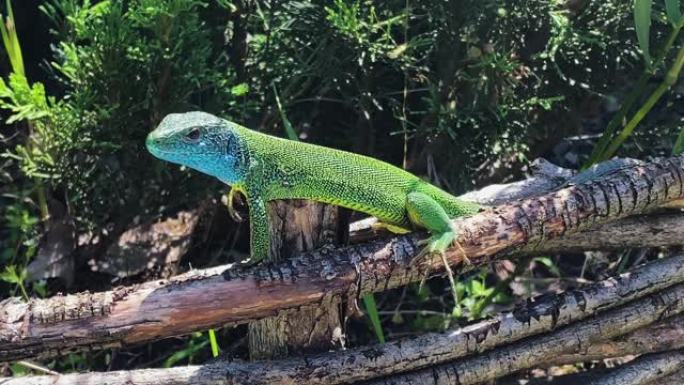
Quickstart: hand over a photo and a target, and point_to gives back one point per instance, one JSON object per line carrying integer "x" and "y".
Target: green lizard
{"x": 266, "y": 168}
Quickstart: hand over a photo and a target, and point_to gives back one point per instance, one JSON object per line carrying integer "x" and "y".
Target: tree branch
{"x": 652, "y": 230}
{"x": 489, "y": 365}
{"x": 533, "y": 352}
{"x": 644, "y": 370}
{"x": 667, "y": 368}
{"x": 218, "y": 296}
{"x": 660, "y": 337}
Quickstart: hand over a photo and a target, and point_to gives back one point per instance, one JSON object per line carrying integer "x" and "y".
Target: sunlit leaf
{"x": 240, "y": 89}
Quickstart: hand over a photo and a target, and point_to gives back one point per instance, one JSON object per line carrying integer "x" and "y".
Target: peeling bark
{"x": 213, "y": 297}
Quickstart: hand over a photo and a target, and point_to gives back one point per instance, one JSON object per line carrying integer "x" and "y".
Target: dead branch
{"x": 200, "y": 300}
{"x": 537, "y": 351}
{"x": 648, "y": 230}
{"x": 659, "y": 337}
{"x": 643, "y": 370}
{"x": 469, "y": 370}
{"x": 592, "y": 376}
{"x": 652, "y": 230}
{"x": 676, "y": 378}
{"x": 667, "y": 368}
{"x": 531, "y": 318}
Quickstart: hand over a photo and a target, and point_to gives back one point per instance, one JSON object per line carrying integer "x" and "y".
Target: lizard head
{"x": 200, "y": 141}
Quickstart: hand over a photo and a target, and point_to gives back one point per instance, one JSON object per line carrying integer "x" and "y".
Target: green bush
{"x": 387, "y": 79}
{"x": 124, "y": 65}
{"x": 458, "y": 91}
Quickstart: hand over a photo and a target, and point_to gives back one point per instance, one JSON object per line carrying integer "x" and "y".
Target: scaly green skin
{"x": 265, "y": 168}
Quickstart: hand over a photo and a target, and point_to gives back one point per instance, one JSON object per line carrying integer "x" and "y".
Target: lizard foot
{"x": 438, "y": 244}
{"x": 228, "y": 201}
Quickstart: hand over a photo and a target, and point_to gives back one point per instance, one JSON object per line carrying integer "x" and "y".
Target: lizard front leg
{"x": 258, "y": 226}
{"x": 229, "y": 204}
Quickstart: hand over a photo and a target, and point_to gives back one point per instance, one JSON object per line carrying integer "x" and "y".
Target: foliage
{"x": 124, "y": 66}
{"x": 610, "y": 139}
{"x": 456, "y": 91}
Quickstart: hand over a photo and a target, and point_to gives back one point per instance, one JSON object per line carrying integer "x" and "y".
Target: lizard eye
{"x": 193, "y": 135}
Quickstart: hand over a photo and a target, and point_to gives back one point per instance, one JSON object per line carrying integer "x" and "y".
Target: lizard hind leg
{"x": 425, "y": 212}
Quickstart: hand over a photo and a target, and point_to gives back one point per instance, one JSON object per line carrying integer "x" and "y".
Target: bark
{"x": 650, "y": 230}
{"x": 644, "y": 370}
{"x": 666, "y": 368}
{"x": 297, "y": 226}
{"x": 653, "y": 230}
{"x": 519, "y": 355}
{"x": 676, "y": 378}
{"x": 534, "y": 352}
{"x": 660, "y": 337}
{"x": 214, "y": 297}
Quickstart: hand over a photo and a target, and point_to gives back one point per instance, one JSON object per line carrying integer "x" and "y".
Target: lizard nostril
{"x": 150, "y": 141}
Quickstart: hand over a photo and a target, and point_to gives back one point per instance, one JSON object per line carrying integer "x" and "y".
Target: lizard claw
{"x": 234, "y": 215}
{"x": 464, "y": 256}
{"x": 438, "y": 244}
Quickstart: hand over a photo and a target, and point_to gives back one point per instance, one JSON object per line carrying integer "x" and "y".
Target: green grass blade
{"x": 214, "y": 345}
{"x": 674, "y": 14}
{"x": 642, "y": 23}
{"x": 186, "y": 353}
{"x": 372, "y": 310}
{"x": 289, "y": 130}
{"x": 10, "y": 40}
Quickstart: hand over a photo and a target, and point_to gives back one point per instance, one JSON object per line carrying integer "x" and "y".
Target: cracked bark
{"x": 529, "y": 353}
{"x": 644, "y": 370}
{"x": 533, "y": 351}
{"x": 297, "y": 226}
{"x": 660, "y": 337}
{"x": 667, "y": 368}
{"x": 214, "y": 297}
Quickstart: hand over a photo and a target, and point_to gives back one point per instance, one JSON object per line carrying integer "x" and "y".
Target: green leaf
{"x": 11, "y": 275}
{"x": 240, "y": 89}
{"x": 372, "y": 310}
{"x": 546, "y": 261}
{"x": 185, "y": 353}
{"x": 674, "y": 14}
{"x": 642, "y": 23}
{"x": 11, "y": 40}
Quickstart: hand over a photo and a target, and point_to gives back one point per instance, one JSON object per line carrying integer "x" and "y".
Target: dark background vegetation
{"x": 464, "y": 93}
